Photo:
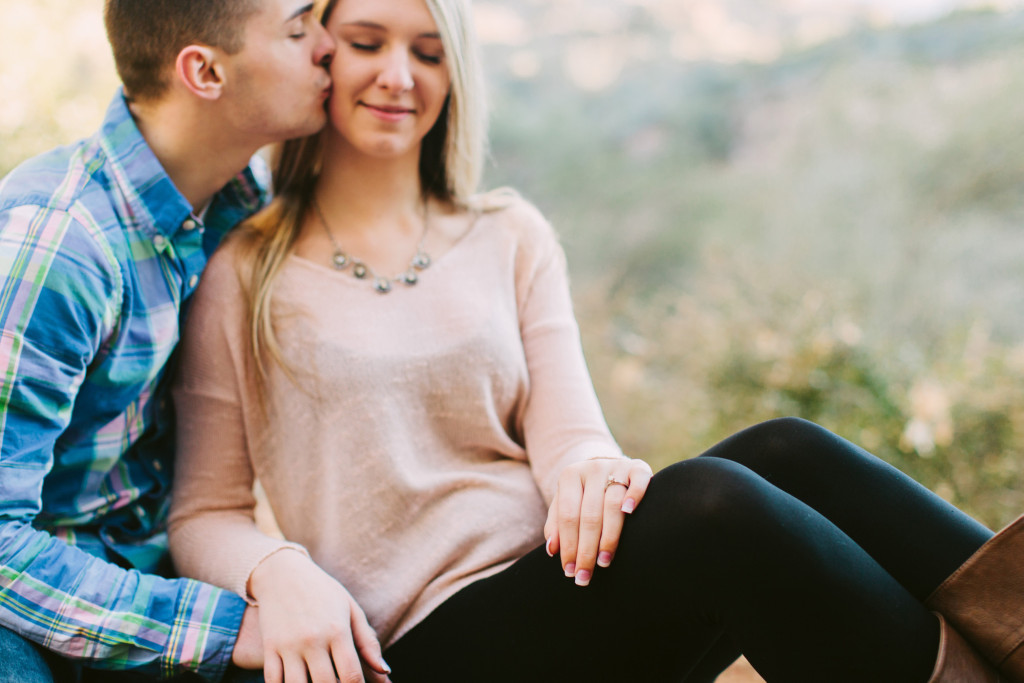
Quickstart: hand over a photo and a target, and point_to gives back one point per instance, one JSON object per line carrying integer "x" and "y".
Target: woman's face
{"x": 390, "y": 75}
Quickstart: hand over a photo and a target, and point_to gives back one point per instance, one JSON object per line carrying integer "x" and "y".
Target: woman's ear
{"x": 199, "y": 69}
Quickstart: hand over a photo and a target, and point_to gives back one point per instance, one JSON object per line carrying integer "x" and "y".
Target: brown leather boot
{"x": 958, "y": 662}
{"x": 984, "y": 601}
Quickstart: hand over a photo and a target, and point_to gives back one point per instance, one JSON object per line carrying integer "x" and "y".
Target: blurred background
{"x": 770, "y": 207}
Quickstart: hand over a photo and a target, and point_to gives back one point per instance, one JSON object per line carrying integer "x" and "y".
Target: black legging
{"x": 784, "y": 542}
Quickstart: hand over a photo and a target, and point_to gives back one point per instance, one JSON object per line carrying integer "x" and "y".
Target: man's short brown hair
{"x": 147, "y": 35}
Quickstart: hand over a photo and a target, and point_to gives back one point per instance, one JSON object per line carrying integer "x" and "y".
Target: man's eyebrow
{"x": 299, "y": 12}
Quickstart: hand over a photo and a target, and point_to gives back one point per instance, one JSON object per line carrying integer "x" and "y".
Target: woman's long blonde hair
{"x": 451, "y": 162}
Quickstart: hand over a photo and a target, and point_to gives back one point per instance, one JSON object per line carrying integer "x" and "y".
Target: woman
{"x": 395, "y": 358}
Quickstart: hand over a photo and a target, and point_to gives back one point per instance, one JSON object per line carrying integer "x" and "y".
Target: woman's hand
{"x": 585, "y": 518}
{"x": 248, "y": 651}
{"x": 311, "y": 625}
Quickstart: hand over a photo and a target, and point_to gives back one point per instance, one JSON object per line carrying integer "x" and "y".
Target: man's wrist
{"x": 205, "y": 630}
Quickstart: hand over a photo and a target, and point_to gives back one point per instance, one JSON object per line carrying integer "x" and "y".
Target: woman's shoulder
{"x": 508, "y": 210}
{"x": 231, "y": 263}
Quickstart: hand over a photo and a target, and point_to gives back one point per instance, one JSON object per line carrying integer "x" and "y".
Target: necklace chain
{"x": 362, "y": 270}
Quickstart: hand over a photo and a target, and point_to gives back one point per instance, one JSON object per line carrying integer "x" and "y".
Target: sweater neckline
{"x": 436, "y": 261}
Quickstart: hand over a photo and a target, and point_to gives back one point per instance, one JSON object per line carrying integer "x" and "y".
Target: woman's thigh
{"x": 531, "y": 623}
{"x": 916, "y": 535}
{"x": 713, "y": 550}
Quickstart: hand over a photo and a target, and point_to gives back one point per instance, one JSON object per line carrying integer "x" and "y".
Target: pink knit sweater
{"x": 422, "y": 442}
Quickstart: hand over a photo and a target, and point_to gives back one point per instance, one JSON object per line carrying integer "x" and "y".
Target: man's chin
{"x": 312, "y": 127}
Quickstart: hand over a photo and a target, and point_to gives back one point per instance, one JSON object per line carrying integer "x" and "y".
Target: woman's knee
{"x": 707, "y": 498}
{"x": 703, "y": 518}
{"x": 785, "y": 447}
{"x": 782, "y": 437}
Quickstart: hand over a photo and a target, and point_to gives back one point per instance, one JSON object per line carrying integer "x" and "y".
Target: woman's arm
{"x": 577, "y": 463}
{"x": 308, "y": 622}
{"x": 212, "y": 530}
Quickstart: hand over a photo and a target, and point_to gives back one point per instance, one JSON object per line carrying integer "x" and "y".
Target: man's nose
{"x": 325, "y": 48}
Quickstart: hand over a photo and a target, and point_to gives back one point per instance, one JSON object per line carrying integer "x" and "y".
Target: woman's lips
{"x": 388, "y": 113}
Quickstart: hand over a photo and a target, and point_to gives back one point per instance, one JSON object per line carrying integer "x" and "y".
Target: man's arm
{"x": 60, "y": 297}
{"x": 85, "y": 608}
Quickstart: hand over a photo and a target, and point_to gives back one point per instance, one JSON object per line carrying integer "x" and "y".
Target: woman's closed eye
{"x": 428, "y": 58}
{"x": 422, "y": 55}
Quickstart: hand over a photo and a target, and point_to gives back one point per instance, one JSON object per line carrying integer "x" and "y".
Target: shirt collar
{"x": 156, "y": 205}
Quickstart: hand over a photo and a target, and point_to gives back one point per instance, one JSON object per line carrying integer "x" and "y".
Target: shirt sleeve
{"x": 213, "y": 533}
{"x": 59, "y": 299}
{"x": 562, "y": 422}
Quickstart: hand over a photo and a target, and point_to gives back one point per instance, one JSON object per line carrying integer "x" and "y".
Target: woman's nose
{"x": 396, "y": 74}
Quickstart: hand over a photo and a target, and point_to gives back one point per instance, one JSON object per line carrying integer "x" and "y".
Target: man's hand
{"x": 248, "y": 652}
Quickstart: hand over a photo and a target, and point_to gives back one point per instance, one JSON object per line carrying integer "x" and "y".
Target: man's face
{"x": 278, "y": 83}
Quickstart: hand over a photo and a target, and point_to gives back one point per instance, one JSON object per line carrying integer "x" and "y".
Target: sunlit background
{"x": 771, "y": 207}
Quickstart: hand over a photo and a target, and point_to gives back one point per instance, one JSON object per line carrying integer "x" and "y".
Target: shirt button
{"x": 193, "y": 281}
{"x": 159, "y": 242}
{"x": 189, "y": 224}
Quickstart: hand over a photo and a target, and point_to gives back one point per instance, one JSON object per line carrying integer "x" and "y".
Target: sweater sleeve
{"x": 212, "y": 530}
{"x": 562, "y": 422}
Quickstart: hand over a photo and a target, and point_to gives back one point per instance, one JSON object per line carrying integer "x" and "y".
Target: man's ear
{"x": 199, "y": 69}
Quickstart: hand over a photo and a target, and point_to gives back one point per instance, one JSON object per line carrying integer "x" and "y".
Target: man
{"x": 101, "y": 245}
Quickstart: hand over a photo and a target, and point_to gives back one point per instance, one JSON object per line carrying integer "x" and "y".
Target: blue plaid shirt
{"x": 99, "y": 253}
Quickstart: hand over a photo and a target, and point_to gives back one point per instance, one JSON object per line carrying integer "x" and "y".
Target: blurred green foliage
{"x": 835, "y": 235}
{"x": 56, "y": 74}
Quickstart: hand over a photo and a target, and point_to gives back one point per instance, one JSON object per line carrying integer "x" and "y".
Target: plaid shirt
{"x": 99, "y": 253}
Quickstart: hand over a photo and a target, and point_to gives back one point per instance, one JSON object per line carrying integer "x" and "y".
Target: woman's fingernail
{"x": 547, "y": 547}
{"x": 384, "y": 665}
{"x": 604, "y": 558}
{"x": 628, "y": 505}
{"x": 582, "y": 577}
{"x": 570, "y": 569}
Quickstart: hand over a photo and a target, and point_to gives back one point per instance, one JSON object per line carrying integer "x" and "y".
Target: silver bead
{"x": 359, "y": 271}
{"x": 421, "y": 261}
{"x": 382, "y": 285}
{"x": 340, "y": 260}
{"x": 410, "y": 277}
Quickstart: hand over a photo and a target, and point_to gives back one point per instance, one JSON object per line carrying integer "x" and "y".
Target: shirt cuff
{"x": 204, "y": 632}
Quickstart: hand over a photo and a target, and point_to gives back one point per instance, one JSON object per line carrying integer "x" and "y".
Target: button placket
{"x": 189, "y": 241}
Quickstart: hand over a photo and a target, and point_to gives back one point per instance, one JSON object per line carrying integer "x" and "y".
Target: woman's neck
{"x": 361, "y": 192}
{"x": 369, "y": 208}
